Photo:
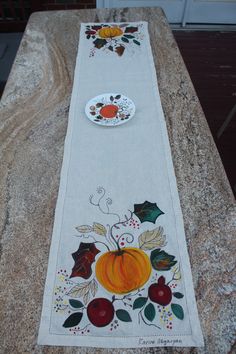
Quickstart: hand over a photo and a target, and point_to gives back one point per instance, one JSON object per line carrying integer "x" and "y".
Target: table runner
{"x": 118, "y": 271}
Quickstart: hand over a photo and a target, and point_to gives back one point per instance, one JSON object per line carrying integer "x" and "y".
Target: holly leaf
{"x": 73, "y": 320}
{"x": 139, "y": 302}
{"x": 123, "y": 315}
{"x": 75, "y": 303}
{"x": 84, "y": 257}
{"x": 83, "y": 229}
{"x": 120, "y": 50}
{"x": 99, "y": 229}
{"x": 99, "y": 43}
{"x": 150, "y": 312}
{"x": 151, "y": 239}
{"x": 177, "y": 311}
{"x": 147, "y": 212}
{"x": 161, "y": 260}
{"x": 178, "y": 295}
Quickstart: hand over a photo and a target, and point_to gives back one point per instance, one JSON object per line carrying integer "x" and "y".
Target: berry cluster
{"x": 78, "y": 330}
{"x": 165, "y": 316}
{"x": 133, "y": 223}
{"x": 114, "y": 325}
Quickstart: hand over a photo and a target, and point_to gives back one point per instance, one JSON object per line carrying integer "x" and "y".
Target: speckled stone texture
{"x": 33, "y": 123}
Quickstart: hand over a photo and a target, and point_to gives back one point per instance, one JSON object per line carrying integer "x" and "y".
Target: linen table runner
{"x": 118, "y": 272}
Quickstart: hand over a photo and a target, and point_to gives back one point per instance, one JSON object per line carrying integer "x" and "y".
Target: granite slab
{"x": 33, "y": 122}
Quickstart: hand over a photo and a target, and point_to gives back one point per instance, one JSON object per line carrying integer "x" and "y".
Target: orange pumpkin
{"x": 123, "y": 271}
{"x": 110, "y": 32}
{"x": 109, "y": 111}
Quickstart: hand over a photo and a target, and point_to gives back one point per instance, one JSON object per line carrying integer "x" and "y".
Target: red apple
{"x": 160, "y": 292}
{"x": 100, "y": 312}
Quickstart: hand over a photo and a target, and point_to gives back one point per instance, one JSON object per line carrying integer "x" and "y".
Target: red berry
{"x": 100, "y": 312}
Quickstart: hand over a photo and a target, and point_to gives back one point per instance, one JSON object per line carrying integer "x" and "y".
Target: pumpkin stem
{"x": 119, "y": 249}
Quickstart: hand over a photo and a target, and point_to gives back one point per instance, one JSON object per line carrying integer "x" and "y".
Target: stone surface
{"x": 33, "y": 122}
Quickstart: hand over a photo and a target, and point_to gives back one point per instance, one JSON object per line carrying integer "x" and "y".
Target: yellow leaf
{"x": 93, "y": 287}
{"x": 99, "y": 229}
{"x": 151, "y": 239}
{"x": 86, "y": 297}
{"x": 83, "y": 229}
{"x": 79, "y": 290}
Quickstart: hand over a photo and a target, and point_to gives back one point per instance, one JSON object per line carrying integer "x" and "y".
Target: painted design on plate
{"x": 114, "y": 38}
{"x": 110, "y": 109}
{"x": 137, "y": 278}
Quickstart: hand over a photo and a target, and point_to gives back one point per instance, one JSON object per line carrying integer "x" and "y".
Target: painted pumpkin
{"x": 109, "y": 111}
{"x": 123, "y": 271}
{"x": 110, "y": 32}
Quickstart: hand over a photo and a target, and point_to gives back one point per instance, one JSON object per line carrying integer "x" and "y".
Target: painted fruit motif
{"x": 110, "y": 32}
{"x": 100, "y": 312}
{"x": 109, "y": 111}
{"x": 160, "y": 293}
{"x": 124, "y": 270}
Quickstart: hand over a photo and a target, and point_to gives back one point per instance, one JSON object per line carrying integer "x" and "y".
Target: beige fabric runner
{"x": 118, "y": 272}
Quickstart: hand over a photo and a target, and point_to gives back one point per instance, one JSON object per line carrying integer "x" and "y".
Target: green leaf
{"x": 177, "y": 311}
{"x": 123, "y": 315}
{"x": 124, "y": 39}
{"x": 128, "y": 36}
{"x": 136, "y": 42}
{"x": 178, "y": 295}
{"x": 147, "y": 212}
{"x": 139, "y": 302}
{"x": 98, "y": 105}
{"x": 161, "y": 260}
{"x": 73, "y": 320}
{"x": 150, "y": 312}
{"x": 75, "y": 303}
{"x": 99, "y": 43}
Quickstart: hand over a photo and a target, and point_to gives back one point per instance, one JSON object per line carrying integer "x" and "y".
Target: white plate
{"x": 110, "y": 109}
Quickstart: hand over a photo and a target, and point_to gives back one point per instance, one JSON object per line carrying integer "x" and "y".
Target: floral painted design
{"x": 107, "y": 258}
{"x": 113, "y": 38}
{"x": 110, "y": 109}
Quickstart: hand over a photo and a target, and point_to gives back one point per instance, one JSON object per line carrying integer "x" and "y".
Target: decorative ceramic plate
{"x": 110, "y": 109}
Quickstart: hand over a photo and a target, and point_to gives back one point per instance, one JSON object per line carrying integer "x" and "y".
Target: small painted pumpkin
{"x": 110, "y": 32}
{"x": 123, "y": 271}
